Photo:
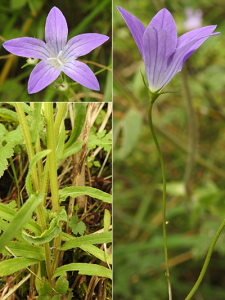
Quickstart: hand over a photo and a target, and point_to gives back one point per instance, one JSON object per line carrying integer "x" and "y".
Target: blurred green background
{"x": 195, "y": 189}
{"x": 20, "y": 18}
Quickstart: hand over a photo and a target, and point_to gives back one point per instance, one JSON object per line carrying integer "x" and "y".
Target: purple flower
{"x": 162, "y": 52}
{"x": 56, "y": 55}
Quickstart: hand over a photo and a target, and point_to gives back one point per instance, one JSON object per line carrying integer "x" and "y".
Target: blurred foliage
{"x": 20, "y": 18}
{"x": 139, "y": 271}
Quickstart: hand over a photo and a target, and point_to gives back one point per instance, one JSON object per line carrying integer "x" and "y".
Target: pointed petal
{"x": 83, "y": 44}
{"x": 158, "y": 46}
{"x": 136, "y": 27}
{"x": 176, "y": 62}
{"x": 27, "y": 47}
{"x": 164, "y": 20}
{"x": 81, "y": 73}
{"x": 42, "y": 75}
{"x": 56, "y": 30}
{"x": 198, "y": 35}
{"x": 195, "y": 34}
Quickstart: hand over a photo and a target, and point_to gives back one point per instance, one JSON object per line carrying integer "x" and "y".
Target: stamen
{"x": 56, "y": 58}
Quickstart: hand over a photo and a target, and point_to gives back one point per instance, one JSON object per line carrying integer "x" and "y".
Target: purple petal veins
{"x": 164, "y": 54}
{"x": 56, "y": 55}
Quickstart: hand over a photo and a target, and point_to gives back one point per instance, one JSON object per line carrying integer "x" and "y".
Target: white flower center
{"x": 57, "y": 61}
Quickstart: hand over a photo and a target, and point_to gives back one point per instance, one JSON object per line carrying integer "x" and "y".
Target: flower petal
{"x": 158, "y": 46}
{"x": 198, "y": 35}
{"x": 136, "y": 27}
{"x": 27, "y": 47}
{"x": 42, "y": 75}
{"x": 83, "y": 44}
{"x": 81, "y": 73}
{"x": 56, "y": 30}
{"x": 176, "y": 62}
{"x": 164, "y": 20}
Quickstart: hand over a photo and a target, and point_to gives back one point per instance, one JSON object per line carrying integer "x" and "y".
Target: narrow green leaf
{"x": 46, "y": 236}
{"x": 96, "y": 252}
{"x": 25, "y": 250}
{"x": 80, "y": 116}
{"x": 74, "y": 148}
{"x": 75, "y": 191}
{"x": 84, "y": 269}
{"x": 33, "y": 162}
{"x": 10, "y": 266}
{"x": 20, "y": 219}
{"x": 8, "y": 115}
{"x": 94, "y": 238}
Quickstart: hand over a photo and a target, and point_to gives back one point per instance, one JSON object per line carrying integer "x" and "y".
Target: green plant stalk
{"x": 164, "y": 197}
{"x": 40, "y": 209}
{"x": 58, "y": 120}
{"x": 39, "y": 163}
{"x": 52, "y": 172}
{"x": 15, "y": 177}
{"x": 52, "y": 156}
{"x": 205, "y": 266}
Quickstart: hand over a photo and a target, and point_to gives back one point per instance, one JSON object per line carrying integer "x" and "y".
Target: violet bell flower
{"x": 57, "y": 55}
{"x": 162, "y": 52}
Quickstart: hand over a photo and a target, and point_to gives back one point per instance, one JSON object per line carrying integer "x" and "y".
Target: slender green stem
{"x": 204, "y": 268}
{"x": 40, "y": 209}
{"x": 53, "y": 172}
{"x": 58, "y": 121}
{"x": 17, "y": 184}
{"x": 164, "y": 197}
{"x": 52, "y": 156}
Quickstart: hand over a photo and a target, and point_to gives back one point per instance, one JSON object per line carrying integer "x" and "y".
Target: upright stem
{"x": 204, "y": 268}
{"x": 53, "y": 172}
{"x": 52, "y": 156}
{"x": 164, "y": 197}
{"x": 35, "y": 181}
{"x": 58, "y": 120}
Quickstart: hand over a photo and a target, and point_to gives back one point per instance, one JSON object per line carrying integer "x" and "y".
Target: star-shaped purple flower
{"x": 162, "y": 52}
{"x": 56, "y": 55}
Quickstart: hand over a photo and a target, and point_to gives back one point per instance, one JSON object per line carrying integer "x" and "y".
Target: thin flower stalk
{"x": 164, "y": 198}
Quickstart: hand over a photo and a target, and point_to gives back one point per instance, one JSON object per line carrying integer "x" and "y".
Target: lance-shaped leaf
{"x": 25, "y": 250}
{"x": 8, "y": 214}
{"x": 84, "y": 269}
{"x": 95, "y": 251}
{"x": 95, "y": 238}
{"x": 46, "y": 236}
{"x": 76, "y": 147}
{"x": 20, "y": 219}
{"x": 75, "y": 191}
{"x": 33, "y": 162}
{"x": 10, "y": 266}
{"x": 80, "y": 116}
